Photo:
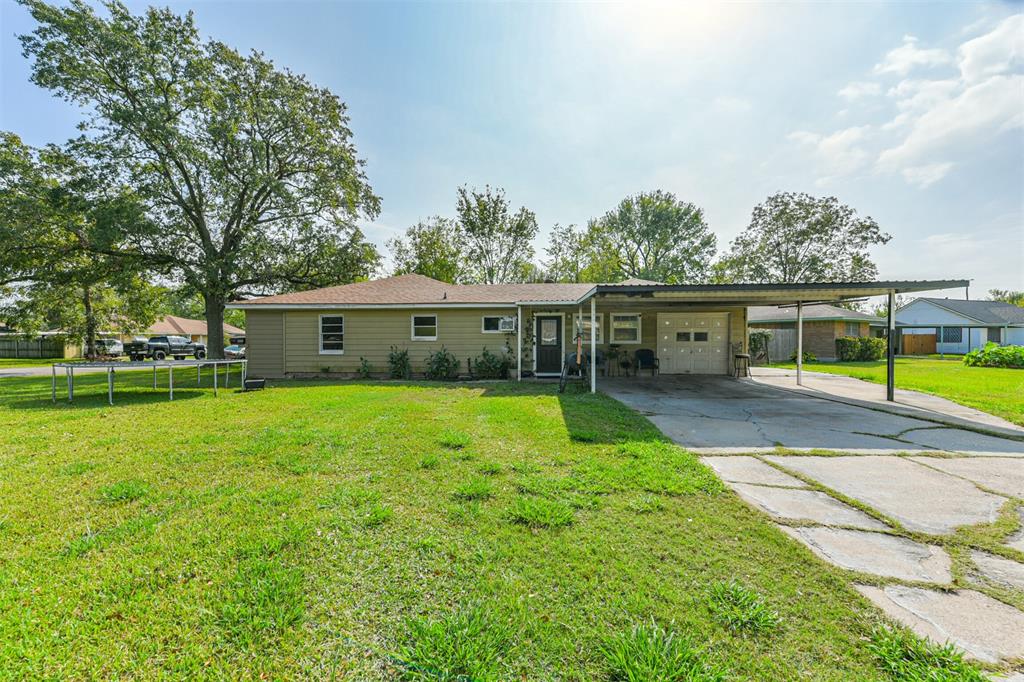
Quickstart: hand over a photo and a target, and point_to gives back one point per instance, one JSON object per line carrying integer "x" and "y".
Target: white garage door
{"x": 693, "y": 343}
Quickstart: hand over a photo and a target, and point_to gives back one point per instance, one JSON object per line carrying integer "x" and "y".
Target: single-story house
{"x": 690, "y": 329}
{"x": 172, "y": 325}
{"x": 823, "y": 324}
{"x": 958, "y": 325}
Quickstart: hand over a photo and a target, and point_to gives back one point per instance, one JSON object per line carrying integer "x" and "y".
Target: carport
{"x": 667, "y": 299}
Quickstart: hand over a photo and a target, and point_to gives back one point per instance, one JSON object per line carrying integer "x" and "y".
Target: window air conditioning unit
{"x": 507, "y": 324}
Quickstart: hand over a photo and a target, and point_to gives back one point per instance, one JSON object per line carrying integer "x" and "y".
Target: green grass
{"x": 994, "y": 390}
{"x": 293, "y": 533}
{"x": 741, "y": 609}
{"x": 6, "y": 363}
{"x": 907, "y": 658}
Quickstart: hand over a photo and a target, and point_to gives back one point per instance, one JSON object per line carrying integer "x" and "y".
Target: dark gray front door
{"x": 549, "y": 344}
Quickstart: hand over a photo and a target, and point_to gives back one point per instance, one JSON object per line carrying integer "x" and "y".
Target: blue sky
{"x": 911, "y": 113}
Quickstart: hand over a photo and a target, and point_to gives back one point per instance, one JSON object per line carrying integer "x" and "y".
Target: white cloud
{"x": 840, "y": 153}
{"x": 994, "y": 53}
{"x": 860, "y": 89}
{"x": 909, "y": 56}
{"x": 927, "y": 175}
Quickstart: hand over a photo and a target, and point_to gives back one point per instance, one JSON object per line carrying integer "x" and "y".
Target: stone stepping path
{"x": 920, "y": 498}
{"x": 885, "y": 555}
{"x": 986, "y": 629}
{"x": 932, "y": 495}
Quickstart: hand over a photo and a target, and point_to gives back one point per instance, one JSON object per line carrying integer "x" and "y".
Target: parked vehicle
{"x": 162, "y": 347}
{"x": 108, "y": 348}
{"x": 234, "y": 352}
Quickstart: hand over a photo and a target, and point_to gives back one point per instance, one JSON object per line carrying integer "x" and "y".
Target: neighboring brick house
{"x": 823, "y": 324}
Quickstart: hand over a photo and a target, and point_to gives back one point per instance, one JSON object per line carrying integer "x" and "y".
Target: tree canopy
{"x": 434, "y": 248}
{"x": 56, "y": 223}
{"x": 794, "y": 237}
{"x": 498, "y": 242}
{"x": 248, "y": 173}
{"x": 1007, "y": 296}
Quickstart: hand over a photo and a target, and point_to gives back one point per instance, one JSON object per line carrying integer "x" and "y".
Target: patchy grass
{"x": 537, "y": 512}
{"x": 649, "y": 652}
{"x": 995, "y": 390}
{"x": 907, "y": 658}
{"x": 430, "y": 462}
{"x": 454, "y": 439}
{"x": 741, "y": 609}
{"x": 291, "y": 534}
{"x": 476, "y": 488}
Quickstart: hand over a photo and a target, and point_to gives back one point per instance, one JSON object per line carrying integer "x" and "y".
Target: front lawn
{"x": 995, "y": 390}
{"x": 387, "y": 530}
{"x": 30, "y": 362}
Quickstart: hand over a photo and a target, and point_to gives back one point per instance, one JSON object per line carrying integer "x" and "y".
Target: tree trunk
{"x": 215, "y": 324}
{"x": 90, "y": 324}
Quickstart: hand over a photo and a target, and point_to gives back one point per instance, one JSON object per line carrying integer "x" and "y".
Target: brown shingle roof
{"x": 172, "y": 324}
{"x": 415, "y": 289}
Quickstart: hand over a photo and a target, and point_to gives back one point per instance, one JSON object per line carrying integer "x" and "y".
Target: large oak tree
{"x": 248, "y": 172}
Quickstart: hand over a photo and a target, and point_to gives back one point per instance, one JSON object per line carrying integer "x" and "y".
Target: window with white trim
{"x": 498, "y": 324}
{"x": 332, "y": 334}
{"x": 586, "y": 326}
{"x": 853, "y": 328}
{"x": 424, "y": 327}
{"x": 625, "y": 328}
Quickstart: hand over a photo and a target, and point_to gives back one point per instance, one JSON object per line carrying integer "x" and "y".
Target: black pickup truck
{"x": 162, "y": 347}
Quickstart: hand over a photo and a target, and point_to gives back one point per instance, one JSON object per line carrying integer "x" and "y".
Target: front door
{"x": 549, "y": 344}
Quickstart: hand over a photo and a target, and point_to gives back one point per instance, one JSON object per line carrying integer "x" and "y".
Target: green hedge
{"x": 994, "y": 355}
{"x": 860, "y": 348}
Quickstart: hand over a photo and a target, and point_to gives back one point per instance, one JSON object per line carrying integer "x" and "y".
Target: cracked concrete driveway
{"x": 721, "y": 415}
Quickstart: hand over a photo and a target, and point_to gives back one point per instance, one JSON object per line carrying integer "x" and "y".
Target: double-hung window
{"x": 332, "y": 334}
{"x": 424, "y": 327}
{"x": 585, "y": 322}
{"x": 625, "y": 328}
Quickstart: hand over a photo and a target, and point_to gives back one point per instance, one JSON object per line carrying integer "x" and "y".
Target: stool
{"x": 741, "y": 361}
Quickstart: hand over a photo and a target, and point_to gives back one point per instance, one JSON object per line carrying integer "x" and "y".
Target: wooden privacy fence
{"x": 918, "y": 344}
{"x": 780, "y": 346}
{"x": 34, "y": 348}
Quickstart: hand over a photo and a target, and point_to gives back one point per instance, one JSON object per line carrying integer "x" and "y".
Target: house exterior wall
{"x": 925, "y": 313}
{"x": 286, "y": 342}
{"x": 819, "y": 335}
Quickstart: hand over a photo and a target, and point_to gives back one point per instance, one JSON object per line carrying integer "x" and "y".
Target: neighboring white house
{"x": 960, "y": 326}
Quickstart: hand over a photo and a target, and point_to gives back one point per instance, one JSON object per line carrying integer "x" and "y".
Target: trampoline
{"x": 111, "y": 367}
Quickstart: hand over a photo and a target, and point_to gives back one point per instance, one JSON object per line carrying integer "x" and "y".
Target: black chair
{"x": 644, "y": 358}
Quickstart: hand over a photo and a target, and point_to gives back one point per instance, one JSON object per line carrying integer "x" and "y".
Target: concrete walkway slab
{"x": 1016, "y": 540}
{"x": 984, "y": 628}
{"x": 739, "y": 469}
{"x": 885, "y": 555}
{"x": 920, "y": 498}
{"x": 957, "y": 441}
{"x": 907, "y": 403}
{"x": 1005, "y": 476}
{"x": 999, "y": 570}
{"x": 805, "y": 505}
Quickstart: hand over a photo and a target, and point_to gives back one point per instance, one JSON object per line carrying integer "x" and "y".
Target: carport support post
{"x": 799, "y": 343}
{"x": 593, "y": 345}
{"x": 938, "y": 344}
{"x": 519, "y": 343}
{"x": 890, "y": 370}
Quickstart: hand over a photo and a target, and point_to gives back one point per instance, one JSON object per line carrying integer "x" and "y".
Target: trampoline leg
{"x": 227, "y": 375}
{"x": 53, "y": 383}
{"x": 170, "y": 381}
{"x": 215, "y": 379}
{"x": 245, "y": 372}
{"x": 71, "y": 384}
{"x": 110, "y": 385}
{"x": 199, "y": 375}
{"x": 154, "y": 377}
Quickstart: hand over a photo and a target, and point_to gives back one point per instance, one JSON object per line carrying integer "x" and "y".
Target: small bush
{"x": 907, "y": 658}
{"x": 365, "y": 368}
{"x": 123, "y": 491}
{"x": 442, "y": 366}
{"x": 454, "y": 440}
{"x": 429, "y": 462}
{"x": 476, "y": 488}
{"x": 808, "y": 356}
{"x": 994, "y": 355}
{"x": 741, "y": 609}
{"x": 467, "y": 645}
{"x": 399, "y": 366}
{"x": 537, "y": 512}
{"x": 491, "y": 365}
{"x": 648, "y": 652}
{"x": 860, "y": 348}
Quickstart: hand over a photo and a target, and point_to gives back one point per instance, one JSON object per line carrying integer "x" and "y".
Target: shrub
{"x": 365, "y": 368}
{"x": 808, "y": 356}
{"x": 994, "y": 355}
{"x": 649, "y": 652}
{"x": 491, "y": 365}
{"x": 741, "y": 609}
{"x": 442, "y": 365}
{"x": 907, "y": 658}
{"x": 537, "y": 512}
{"x": 399, "y": 366}
{"x": 860, "y": 348}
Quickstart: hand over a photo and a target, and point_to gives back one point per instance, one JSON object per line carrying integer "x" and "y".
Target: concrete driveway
{"x": 721, "y": 415}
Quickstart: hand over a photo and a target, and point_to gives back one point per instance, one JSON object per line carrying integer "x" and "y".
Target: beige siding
{"x": 370, "y": 334}
{"x": 265, "y": 342}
